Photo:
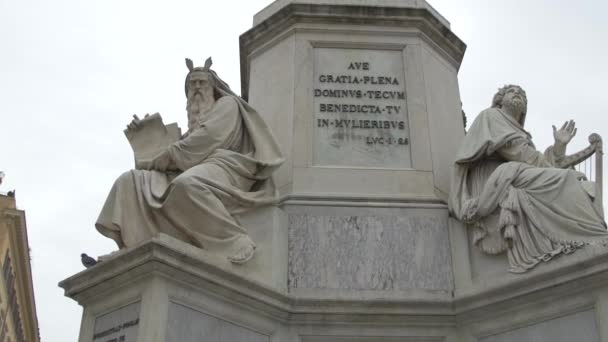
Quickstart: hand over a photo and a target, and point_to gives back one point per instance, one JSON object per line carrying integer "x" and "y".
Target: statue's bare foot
{"x": 244, "y": 254}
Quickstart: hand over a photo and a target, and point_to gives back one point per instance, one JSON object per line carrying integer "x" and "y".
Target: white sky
{"x": 73, "y": 72}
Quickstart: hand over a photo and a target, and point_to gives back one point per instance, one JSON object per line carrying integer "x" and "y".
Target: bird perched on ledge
{"x": 87, "y": 261}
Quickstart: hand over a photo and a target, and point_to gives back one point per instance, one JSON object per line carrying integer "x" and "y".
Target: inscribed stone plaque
{"x": 372, "y": 339}
{"x": 118, "y": 326}
{"x": 576, "y": 327}
{"x": 407, "y": 250}
{"x": 360, "y": 113}
{"x": 188, "y": 325}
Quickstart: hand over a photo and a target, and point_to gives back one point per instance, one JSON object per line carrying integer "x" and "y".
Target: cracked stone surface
{"x": 369, "y": 252}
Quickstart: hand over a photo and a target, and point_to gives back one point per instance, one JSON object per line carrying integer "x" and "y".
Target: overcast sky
{"x": 73, "y": 72}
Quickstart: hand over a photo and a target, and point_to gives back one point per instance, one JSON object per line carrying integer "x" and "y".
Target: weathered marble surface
{"x": 285, "y": 44}
{"x": 371, "y": 339}
{"x": 191, "y": 188}
{"x": 188, "y": 325}
{"x": 360, "y": 109}
{"x": 369, "y": 252}
{"x": 119, "y": 325}
{"x": 577, "y": 327}
{"x": 277, "y": 5}
{"x": 228, "y": 303}
{"x": 517, "y": 200}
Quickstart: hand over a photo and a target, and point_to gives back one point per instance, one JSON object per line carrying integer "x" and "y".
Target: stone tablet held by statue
{"x": 151, "y": 138}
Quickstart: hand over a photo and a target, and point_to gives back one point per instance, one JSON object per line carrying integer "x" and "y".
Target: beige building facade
{"x": 18, "y": 321}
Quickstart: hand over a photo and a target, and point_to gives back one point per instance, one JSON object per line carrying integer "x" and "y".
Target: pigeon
{"x": 87, "y": 261}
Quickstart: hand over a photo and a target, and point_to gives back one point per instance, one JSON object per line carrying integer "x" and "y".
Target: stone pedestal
{"x": 364, "y": 101}
{"x": 363, "y": 97}
{"x": 165, "y": 290}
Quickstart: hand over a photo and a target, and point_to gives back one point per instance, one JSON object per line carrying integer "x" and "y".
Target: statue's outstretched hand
{"x": 564, "y": 134}
{"x": 136, "y": 122}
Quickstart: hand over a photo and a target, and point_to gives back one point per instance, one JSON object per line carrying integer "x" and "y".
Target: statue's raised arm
{"x": 595, "y": 146}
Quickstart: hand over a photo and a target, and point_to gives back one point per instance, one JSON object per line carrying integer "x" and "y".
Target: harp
{"x": 588, "y": 161}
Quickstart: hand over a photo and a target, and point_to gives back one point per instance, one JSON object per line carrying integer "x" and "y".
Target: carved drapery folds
{"x": 534, "y": 206}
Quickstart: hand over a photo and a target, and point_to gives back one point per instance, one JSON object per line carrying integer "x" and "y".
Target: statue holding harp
{"x": 534, "y": 206}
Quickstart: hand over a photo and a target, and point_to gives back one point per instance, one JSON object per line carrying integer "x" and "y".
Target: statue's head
{"x": 513, "y": 98}
{"x": 200, "y": 91}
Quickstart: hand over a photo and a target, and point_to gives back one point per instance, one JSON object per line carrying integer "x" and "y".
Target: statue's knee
{"x": 126, "y": 176}
{"x": 503, "y": 166}
{"x": 187, "y": 184}
{"x": 182, "y": 183}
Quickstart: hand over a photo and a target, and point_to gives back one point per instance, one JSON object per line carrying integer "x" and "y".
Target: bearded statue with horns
{"x": 221, "y": 166}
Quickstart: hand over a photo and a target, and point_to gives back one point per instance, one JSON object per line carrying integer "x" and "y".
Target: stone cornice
{"x": 361, "y": 201}
{"x": 571, "y": 274}
{"x": 277, "y": 5}
{"x": 421, "y": 20}
{"x": 174, "y": 260}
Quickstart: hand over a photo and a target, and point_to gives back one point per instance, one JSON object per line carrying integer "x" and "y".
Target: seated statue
{"x": 517, "y": 199}
{"x": 221, "y": 166}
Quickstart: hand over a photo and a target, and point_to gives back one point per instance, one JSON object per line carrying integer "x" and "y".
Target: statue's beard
{"x": 198, "y": 105}
{"x": 515, "y": 106}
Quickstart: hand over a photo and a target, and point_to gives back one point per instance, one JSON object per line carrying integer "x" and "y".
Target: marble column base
{"x": 166, "y": 290}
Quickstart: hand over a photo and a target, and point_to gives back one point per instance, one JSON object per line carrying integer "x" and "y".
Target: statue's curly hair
{"x": 497, "y": 99}
{"x": 500, "y": 94}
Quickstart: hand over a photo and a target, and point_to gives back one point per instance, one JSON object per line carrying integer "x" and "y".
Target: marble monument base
{"x": 166, "y": 290}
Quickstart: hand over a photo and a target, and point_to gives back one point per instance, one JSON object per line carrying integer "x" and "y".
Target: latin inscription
{"x": 360, "y": 116}
{"x": 119, "y": 330}
{"x": 120, "y": 325}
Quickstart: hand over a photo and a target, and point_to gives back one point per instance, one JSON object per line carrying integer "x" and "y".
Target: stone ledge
{"x": 276, "y": 6}
{"x": 176, "y": 261}
{"x": 582, "y": 271}
{"x": 180, "y": 262}
{"x": 166, "y": 255}
{"x": 360, "y": 200}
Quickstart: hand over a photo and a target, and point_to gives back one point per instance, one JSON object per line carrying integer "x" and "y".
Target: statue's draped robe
{"x": 219, "y": 169}
{"x": 515, "y": 199}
